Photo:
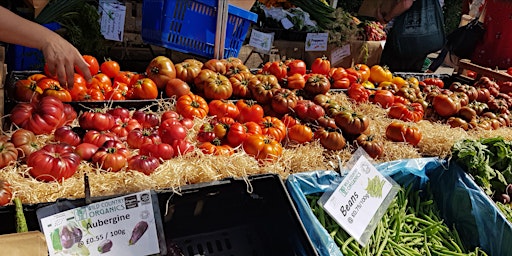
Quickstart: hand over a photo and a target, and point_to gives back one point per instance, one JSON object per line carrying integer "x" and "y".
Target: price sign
{"x": 316, "y": 42}
{"x": 121, "y": 226}
{"x": 262, "y": 42}
{"x": 357, "y": 199}
{"x": 112, "y": 20}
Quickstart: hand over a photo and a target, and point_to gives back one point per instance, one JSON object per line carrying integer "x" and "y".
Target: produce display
{"x": 204, "y": 121}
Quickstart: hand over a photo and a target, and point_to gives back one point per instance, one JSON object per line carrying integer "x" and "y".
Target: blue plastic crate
{"x": 189, "y": 26}
{"x": 21, "y": 58}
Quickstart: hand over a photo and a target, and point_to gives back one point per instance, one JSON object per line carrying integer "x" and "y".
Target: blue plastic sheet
{"x": 461, "y": 202}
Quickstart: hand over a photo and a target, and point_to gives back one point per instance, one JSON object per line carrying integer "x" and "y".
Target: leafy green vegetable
{"x": 488, "y": 160}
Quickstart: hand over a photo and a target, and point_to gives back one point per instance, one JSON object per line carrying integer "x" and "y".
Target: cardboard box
{"x": 26, "y": 243}
{"x": 244, "y": 4}
{"x": 355, "y": 52}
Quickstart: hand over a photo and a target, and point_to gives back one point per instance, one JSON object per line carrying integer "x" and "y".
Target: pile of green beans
{"x": 410, "y": 226}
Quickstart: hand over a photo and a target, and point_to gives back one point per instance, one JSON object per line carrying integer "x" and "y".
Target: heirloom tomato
{"x": 191, "y": 106}
{"x": 216, "y": 148}
{"x": 445, "y": 105}
{"x": 221, "y": 108}
{"x": 411, "y": 112}
{"x": 170, "y": 130}
{"x": 8, "y": 153}
{"x": 41, "y": 117}
{"x": 364, "y": 70}
{"x": 383, "y": 98}
{"x": 25, "y": 141}
{"x": 321, "y": 65}
{"x": 284, "y": 100}
{"x": 316, "y": 84}
{"x": 276, "y": 68}
{"x": 300, "y": 134}
{"x": 143, "y": 163}
{"x": 111, "y": 156}
{"x": 371, "y": 145}
{"x": 399, "y": 131}
{"x": 241, "y": 82}
{"x": 330, "y": 139}
{"x": 380, "y": 74}
{"x": 182, "y": 147}
{"x": 138, "y": 137}
{"x": 250, "y": 110}
{"x": 162, "y": 151}
{"x": 145, "y": 89}
{"x": 124, "y": 125}
{"x": 308, "y": 110}
{"x": 66, "y": 134}
{"x": 25, "y": 90}
{"x": 238, "y": 132}
{"x": 273, "y": 127}
{"x": 295, "y": 81}
{"x": 86, "y": 150}
{"x": 177, "y": 88}
{"x": 187, "y": 71}
{"x": 295, "y": 66}
{"x": 216, "y": 66}
{"x": 96, "y": 120}
{"x": 98, "y": 138}
{"x": 262, "y": 148}
{"x": 358, "y": 93}
{"x": 53, "y": 162}
{"x": 351, "y": 122}
{"x": 146, "y": 119}
{"x": 161, "y": 69}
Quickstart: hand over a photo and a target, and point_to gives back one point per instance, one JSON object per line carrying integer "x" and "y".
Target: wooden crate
{"x": 464, "y": 65}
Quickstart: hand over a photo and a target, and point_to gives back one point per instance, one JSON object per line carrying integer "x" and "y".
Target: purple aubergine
{"x": 66, "y": 237}
{"x": 77, "y": 234}
{"x": 105, "y": 246}
{"x": 138, "y": 231}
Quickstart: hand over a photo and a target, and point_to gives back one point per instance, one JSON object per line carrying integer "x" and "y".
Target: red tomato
{"x": 98, "y": 138}
{"x": 96, "y": 120}
{"x": 53, "y": 162}
{"x": 321, "y": 66}
{"x": 162, "y": 151}
{"x": 170, "y": 130}
{"x": 146, "y": 119}
{"x": 412, "y": 112}
{"x": 94, "y": 66}
{"x": 143, "y": 163}
{"x": 110, "y": 68}
{"x": 509, "y": 71}
{"x": 296, "y": 67}
{"x": 308, "y": 111}
{"x": 138, "y": 137}
{"x": 358, "y": 93}
{"x": 221, "y": 108}
{"x": 5, "y": 192}
{"x": 250, "y": 110}
{"x": 112, "y": 156}
{"x": 384, "y": 98}
{"x": 40, "y": 117}
{"x": 66, "y": 134}
{"x": 182, "y": 147}
{"x": 86, "y": 150}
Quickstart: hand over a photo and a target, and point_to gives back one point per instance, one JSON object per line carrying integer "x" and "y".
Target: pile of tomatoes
{"x": 220, "y": 107}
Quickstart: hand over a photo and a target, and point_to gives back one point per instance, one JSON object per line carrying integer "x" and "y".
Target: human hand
{"x": 61, "y": 57}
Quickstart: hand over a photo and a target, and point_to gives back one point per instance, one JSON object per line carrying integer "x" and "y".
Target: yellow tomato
{"x": 369, "y": 85}
{"x": 380, "y": 74}
{"x": 413, "y": 80}
{"x": 399, "y": 81}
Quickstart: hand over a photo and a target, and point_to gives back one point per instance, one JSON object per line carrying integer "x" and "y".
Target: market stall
{"x": 213, "y": 150}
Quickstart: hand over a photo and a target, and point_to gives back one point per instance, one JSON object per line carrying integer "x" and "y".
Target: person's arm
{"x": 399, "y": 8}
{"x": 60, "y": 55}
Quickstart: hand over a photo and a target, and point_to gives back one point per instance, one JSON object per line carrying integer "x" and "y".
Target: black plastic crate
{"x": 224, "y": 218}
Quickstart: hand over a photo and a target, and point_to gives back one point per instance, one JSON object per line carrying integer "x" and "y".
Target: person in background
{"x": 495, "y": 49}
{"x": 389, "y": 57}
{"x": 60, "y": 55}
